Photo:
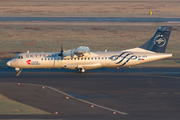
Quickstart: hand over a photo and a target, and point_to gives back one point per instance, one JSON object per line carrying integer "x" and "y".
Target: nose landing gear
{"x": 18, "y": 71}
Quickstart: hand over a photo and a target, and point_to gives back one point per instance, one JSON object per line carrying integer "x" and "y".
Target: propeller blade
{"x": 61, "y": 49}
{"x": 71, "y": 54}
{"x": 61, "y": 54}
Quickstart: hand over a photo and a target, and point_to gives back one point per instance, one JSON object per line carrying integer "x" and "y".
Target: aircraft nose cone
{"x": 8, "y": 63}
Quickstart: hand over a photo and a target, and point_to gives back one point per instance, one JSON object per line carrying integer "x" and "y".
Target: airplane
{"x": 83, "y": 59}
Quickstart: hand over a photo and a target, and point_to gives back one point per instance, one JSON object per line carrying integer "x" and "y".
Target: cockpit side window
{"x": 20, "y": 57}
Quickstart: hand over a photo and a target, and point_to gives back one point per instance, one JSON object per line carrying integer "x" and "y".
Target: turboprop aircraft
{"x": 83, "y": 59}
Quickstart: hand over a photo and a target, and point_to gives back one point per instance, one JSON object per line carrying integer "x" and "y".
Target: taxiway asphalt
{"x": 134, "y": 93}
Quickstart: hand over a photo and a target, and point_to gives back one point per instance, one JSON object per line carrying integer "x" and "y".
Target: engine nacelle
{"x": 69, "y": 53}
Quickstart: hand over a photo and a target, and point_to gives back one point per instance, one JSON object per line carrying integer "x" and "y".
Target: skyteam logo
{"x": 123, "y": 58}
{"x": 160, "y": 41}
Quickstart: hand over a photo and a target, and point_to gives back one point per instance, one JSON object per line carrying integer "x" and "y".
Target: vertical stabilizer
{"x": 159, "y": 42}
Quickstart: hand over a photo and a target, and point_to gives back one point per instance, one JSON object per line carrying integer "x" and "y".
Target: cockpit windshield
{"x": 20, "y": 57}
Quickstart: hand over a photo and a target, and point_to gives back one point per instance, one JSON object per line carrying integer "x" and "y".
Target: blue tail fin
{"x": 159, "y": 42}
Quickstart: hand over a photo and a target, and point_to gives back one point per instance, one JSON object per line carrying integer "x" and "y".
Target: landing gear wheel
{"x": 83, "y": 70}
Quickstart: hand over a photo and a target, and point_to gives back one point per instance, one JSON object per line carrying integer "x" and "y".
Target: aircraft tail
{"x": 159, "y": 42}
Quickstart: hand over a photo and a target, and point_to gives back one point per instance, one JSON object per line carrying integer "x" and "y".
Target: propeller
{"x": 71, "y": 54}
{"x": 61, "y": 54}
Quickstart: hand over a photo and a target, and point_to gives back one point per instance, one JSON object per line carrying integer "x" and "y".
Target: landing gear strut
{"x": 18, "y": 71}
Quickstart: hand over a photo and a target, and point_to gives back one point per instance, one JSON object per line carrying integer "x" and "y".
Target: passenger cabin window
{"x": 81, "y": 58}
{"x": 91, "y": 58}
{"x": 41, "y": 58}
{"x": 99, "y": 58}
{"x": 88, "y": 58}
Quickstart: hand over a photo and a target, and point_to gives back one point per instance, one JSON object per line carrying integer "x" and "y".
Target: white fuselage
{"x": 91, "y": 60}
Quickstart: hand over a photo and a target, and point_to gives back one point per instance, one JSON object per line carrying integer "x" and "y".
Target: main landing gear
{"x": 18, "y": 71}
{"x": 82, "y": 70}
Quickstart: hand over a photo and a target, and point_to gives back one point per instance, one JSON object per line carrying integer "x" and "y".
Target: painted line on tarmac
{"x": 173, "y": 21}
{"x": 106, "y": 108}
{"x": 161, "y": 76}
{"x": 164, "y": 93}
